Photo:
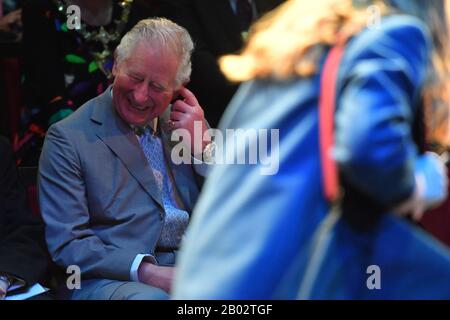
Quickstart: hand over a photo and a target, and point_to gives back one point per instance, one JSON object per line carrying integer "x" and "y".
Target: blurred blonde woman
{"x": 250, "y": 233}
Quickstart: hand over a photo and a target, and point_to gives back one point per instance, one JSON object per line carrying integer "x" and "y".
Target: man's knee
{"x": 106, "y": 289}
{"x": 138, "y": 291}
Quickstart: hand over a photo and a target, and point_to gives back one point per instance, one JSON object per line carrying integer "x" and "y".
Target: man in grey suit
{"x": 114, "y": 202}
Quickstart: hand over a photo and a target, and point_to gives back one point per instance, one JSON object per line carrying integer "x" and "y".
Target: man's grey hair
{"x": 160, "y": 33}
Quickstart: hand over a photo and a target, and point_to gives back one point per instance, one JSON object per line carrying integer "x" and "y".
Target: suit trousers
{"x": 106, "y": 289}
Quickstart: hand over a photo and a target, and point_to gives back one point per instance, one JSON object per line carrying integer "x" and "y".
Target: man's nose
{"x": 140, "y": 94}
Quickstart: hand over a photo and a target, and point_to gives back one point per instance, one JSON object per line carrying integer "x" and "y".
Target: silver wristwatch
{"x": 6, "y": 279}
{"x": 209, "y": 152}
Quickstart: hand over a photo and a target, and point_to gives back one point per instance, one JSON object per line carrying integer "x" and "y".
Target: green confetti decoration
{"x": 93, "y": 66}
{"x": 61, "y": 114}
{"x": 73, "y": 58}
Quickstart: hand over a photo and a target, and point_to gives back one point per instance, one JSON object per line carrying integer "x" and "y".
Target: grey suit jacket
{"x": 97, "y": 193}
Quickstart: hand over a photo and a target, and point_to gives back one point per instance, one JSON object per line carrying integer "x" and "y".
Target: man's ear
{"x": 175, "y": 96}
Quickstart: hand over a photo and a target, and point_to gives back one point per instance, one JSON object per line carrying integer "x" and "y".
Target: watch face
{"x": 208, "y": 153}
{"x": 6, "y": 279}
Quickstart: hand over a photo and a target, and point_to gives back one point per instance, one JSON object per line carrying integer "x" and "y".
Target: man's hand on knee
{"x": 156, "y": 276}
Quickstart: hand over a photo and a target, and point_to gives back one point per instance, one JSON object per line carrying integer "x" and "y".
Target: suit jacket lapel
{"x": 119, "y": 137}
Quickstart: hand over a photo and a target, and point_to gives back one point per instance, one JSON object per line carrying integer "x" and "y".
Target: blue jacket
{"x": 248, "y": 229}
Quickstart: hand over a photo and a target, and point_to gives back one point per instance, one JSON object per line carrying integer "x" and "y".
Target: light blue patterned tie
{"x": 176, "y": 220}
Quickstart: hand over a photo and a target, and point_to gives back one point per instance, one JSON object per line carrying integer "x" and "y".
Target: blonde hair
{"x": 437, "y": 91}
{"x": 283, "y": 44}
{"x": 275, "y": 49}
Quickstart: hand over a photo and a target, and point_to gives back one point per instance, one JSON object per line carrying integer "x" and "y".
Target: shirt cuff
{"x": 137, "y": 262}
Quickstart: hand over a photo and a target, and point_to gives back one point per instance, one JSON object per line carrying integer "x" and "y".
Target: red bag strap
{"x": 327, "y": 101}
